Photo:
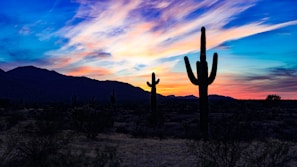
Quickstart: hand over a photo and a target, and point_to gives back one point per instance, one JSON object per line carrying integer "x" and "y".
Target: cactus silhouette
{"x": 112, "y": 98}
{"x": 203, "y": 81}
{"x": 153, "y": 95}
{"x": 113, "y": 101}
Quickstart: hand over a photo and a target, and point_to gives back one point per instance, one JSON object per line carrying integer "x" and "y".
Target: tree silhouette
{"x": 273, "y": 97}
{"x": 272, "y": 100}
{"x": 203, "y": 81}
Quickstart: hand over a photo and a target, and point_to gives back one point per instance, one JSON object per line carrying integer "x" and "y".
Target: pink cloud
{"x": 139, "y": 43}
{"x": 86, "y": 70}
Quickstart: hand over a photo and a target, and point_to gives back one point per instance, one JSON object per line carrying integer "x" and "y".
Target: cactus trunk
{"x": 203, "y": 103}
{"x": 153, "y": 100}
{"x": 202, "y": 80}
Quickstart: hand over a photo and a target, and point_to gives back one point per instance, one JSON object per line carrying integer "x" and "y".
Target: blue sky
{"x": 127, "y": 40}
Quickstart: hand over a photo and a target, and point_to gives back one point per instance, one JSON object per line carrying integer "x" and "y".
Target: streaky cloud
{"x": 278, "y": 79}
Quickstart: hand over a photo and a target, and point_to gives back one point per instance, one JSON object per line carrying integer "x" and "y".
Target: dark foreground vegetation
{"x": 241, "y": 132}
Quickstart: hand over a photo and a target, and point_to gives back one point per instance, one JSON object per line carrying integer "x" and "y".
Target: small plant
{"x": 202, "y": 80}
{"x": 107, "y": 156}
{"x": 271, "y": 152}
{"x": 38, "y": 151}
{"x": 217, "y": 153}
{"x": 91, "y": 122}
{"x": 8, "y": 149}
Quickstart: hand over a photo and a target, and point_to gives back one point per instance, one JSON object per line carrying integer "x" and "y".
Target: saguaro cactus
{"x": 153, "y": 94}
{"x": 203, "y": 81}
{"x": 112, "y": 98}
{"x": 113, "y": 101}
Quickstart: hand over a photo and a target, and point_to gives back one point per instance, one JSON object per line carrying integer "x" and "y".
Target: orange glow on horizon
{"x": 82, "y": 71}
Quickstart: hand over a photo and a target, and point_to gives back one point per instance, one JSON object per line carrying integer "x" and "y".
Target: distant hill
{"x": 210, "y": 97}
{"x": 32, "y": 84}
{"x": 219, "y": 97}
{"x": 189, "y": 97}
{"x": 34, "y": 73}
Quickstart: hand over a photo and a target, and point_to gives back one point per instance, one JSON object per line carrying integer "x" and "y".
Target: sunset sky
{"x": 127, "y": 40}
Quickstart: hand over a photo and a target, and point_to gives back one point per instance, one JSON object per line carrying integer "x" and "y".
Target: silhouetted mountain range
{"x": 34, "y": 84}
{"x": 212, "y": 97}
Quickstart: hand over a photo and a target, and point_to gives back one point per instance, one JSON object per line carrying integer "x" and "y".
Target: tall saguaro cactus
{"x": 203, "y": 80}
{"x": 153, "y": 94}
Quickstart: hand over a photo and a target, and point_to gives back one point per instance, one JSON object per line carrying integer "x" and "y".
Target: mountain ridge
{"x": 32, "y": 71}
{"x": 33, "y": 84}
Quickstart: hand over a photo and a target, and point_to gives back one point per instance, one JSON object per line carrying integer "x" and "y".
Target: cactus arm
{"x": 190, "y": 72}
{"x": 157, "y": 81}
{"x": 148, "y": 84}
{"x": 213, "y": 69}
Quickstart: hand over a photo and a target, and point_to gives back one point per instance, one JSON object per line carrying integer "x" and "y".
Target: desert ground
{"x": 241, "y": 133}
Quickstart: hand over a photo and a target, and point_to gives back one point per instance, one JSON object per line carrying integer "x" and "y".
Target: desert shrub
{"x": 217, "y": 153}
{"x": 37, "y": 151}
{"x": 13, "y": 119}
{"x": 91, "y": 122}
{"x": 54, "y": 152}
{"x": 48, "y": 122}
{"x": 7, "y": 149}
{"x": 105, "y": 156}
{"x": 141, "y": 131}
{"x": 236, "y": 127}
{"x": 46, "y": 128}
{"x": 272, "y": 100}
{"x": 273, "y": 97}
{"x": 186, "y": 128}
{"x": 270, "y": 153}
{"x": 122, "y": 129}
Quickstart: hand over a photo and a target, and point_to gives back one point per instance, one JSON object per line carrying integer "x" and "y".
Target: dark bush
{"x": 90, "y": 121}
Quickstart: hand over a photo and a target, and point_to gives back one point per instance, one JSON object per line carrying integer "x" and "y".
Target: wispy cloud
{"x": 278, "y": 79}
{"x": 120, "y": 28}
{"x": 87, "y": 70}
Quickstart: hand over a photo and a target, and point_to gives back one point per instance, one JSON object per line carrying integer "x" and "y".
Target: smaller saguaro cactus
{"x": 74, "y": 101}
{"x": 112, "y": 98}
{"x": 153, "y": 94}
{"x": 113, "y": 101}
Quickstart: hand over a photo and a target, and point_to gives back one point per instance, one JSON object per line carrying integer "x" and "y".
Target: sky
{"x": 127, "y": 40}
